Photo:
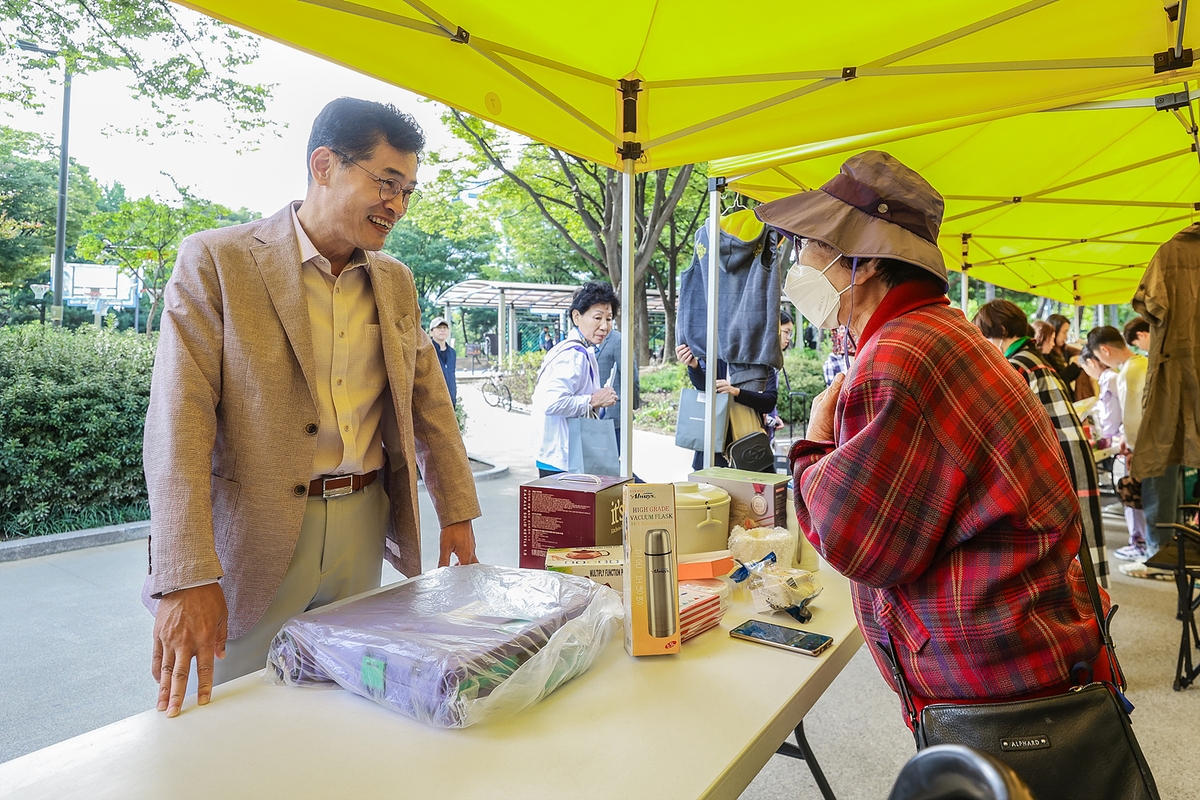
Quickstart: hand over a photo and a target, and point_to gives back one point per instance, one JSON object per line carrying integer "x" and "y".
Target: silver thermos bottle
{"x": 662, "y": 595}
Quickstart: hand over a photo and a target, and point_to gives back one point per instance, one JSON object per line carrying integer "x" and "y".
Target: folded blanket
{"x": 452, "y": 646}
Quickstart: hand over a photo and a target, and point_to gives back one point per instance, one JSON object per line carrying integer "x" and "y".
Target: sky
{"x": 263, "y": 180}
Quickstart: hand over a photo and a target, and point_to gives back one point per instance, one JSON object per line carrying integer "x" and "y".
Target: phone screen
{"x": 780, "y": 636}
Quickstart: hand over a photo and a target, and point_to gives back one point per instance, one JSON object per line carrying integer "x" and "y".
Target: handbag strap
{"x": 1102, "y": 622}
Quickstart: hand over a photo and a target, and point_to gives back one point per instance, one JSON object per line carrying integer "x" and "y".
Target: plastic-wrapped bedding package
{"x": 454, "y": 646}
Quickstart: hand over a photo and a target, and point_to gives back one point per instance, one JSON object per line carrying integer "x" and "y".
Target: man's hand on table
{"x": 820, "y": 422}
{"x": 190, "y": 623}
{"x": 458, "y": 539}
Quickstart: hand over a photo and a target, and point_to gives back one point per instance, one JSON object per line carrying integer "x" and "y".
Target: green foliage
{"x": 803, "y": 367}
{"x": 142, "y": 236}
{"x": 29, "y": 203}
{"x": 72, "y": 406}
{"x": 660, "y": 397}
{"x": 460, "y": 416}
{"x": 178, "y": 59}
{"x": 520, "y": 376}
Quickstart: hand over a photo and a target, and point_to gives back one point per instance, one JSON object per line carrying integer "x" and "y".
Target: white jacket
{"x": 568, "y": 378}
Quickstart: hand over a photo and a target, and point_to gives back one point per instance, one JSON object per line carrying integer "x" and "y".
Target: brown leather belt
{"x": 338, "y": 485}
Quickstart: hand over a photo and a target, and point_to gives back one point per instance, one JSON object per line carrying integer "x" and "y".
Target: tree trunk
{"x": 641, "y": 324}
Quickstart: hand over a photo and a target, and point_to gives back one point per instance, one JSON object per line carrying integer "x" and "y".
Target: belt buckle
{"x": 337, "y": 491}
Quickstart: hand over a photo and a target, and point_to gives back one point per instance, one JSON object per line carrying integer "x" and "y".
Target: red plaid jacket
{"x": 945, "y": 499}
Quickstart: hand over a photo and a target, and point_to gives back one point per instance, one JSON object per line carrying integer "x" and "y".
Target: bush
{"x": 803, "y": 368}
{"x": 521, "y": 375}
{"x": 72, "y": 408}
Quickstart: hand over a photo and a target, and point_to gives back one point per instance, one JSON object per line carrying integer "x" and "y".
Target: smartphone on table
{"x": 794, "y": 639}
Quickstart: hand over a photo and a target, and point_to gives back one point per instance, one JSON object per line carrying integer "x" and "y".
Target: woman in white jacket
{"x": 569, "y": 384}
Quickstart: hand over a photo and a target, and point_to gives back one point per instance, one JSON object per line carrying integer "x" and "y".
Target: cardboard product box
{"x": 758, "y": 497}
{"x": 651, "y": 590}
{"x": 568, "y": 510}
{"x": 602, "y": 564}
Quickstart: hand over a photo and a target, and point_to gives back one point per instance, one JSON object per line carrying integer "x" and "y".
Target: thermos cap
{"x": 658, "y": 542}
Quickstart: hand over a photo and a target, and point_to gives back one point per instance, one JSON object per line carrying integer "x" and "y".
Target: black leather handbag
{"x": 1074, "y": 745}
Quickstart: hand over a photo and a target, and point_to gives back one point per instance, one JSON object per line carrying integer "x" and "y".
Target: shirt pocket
{"x": 372, "y": 358}
{"x": 900, "y": 619}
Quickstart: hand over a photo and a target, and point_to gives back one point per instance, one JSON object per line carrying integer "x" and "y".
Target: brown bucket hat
{"x": 875, "y": 207}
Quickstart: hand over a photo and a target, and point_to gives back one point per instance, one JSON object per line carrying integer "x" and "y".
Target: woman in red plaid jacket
{"x": 930, "y": 475}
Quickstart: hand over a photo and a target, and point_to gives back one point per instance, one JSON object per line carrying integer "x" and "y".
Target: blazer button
{"x": 310, "y": 428}
{"x": 300, "y": 490}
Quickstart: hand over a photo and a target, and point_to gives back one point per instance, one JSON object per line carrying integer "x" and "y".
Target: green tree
{"x": 176, "y": 57}
{"x": 579, "y": 201}
{"x": 442, "y": 239}
{"x": 29, "y": 203}
{"x": 142, "y": 237}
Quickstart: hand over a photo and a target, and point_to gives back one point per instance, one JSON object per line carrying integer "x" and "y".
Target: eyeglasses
{"x": 389, "y": 189}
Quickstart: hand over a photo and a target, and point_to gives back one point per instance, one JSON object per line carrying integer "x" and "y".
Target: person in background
{"x": 1108, "y": 344}
{"x": 1062, "y": 356}
{"x": 1108, "y": 417}
{"x": 1137, "y": 334}
{"x": 838, "y": 360}
{"x": 608, "y": 361}
{"x": 293, "y": 404}
{"x": 439, "y": 332}
{"x": 787, "y": 327}
{"x": 547, "y": 339}
{"x": 569, "y": 383}
{"x": 929, "y": 475}
{"x": 763, "y": 402}
{"x": 1004, "y": 324}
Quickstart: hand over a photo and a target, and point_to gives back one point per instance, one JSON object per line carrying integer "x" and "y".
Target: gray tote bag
{"x": 689, "y": 427}
{"x": 592, "y": 446}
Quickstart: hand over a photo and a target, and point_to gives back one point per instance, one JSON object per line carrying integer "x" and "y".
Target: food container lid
{"x": 699, "y": 495}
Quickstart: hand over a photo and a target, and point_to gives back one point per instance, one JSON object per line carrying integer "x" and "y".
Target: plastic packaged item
{"x": 778, "y": 588}
{"x": 721, "y": 587}
{"x": 699, "y": 610}
{"x": 806, "y": 555}
{"x": 754, "y": 544}
{"x": 455, "y": 646}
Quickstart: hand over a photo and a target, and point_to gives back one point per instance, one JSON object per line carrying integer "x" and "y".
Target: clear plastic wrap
{"x": 778, "y": 588}
{"x": 454, "y": 646}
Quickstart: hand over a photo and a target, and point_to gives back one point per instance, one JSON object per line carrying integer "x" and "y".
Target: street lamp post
{"x": 60, "y": 224}
{"x": 39, "y": 293}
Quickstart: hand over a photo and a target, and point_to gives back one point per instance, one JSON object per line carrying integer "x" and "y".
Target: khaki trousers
{"x": 339, "y": 554}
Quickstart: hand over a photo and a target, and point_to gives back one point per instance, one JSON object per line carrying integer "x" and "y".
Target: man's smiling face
{"x": 364, "y": 219}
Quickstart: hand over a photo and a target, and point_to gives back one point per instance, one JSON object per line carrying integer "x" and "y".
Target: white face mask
{"x": 813, "y": 295}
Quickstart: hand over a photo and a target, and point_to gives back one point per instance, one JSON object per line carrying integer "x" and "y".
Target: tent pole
{"x": 500, "y": 344}
{"x": 711, "y": 351}
{"x": 966, "y": 264}
{"x": 628, "y": 338}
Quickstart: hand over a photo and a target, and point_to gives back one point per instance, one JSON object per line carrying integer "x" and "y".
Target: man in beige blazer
{"x": 295, "y": 397}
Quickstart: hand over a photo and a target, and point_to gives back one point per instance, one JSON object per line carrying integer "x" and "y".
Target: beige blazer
{"x": 230, "y": 431}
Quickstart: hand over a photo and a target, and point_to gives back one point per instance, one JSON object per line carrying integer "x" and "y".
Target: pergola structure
{"x": 650, "y": 84}
{"x": 508, "y": 297}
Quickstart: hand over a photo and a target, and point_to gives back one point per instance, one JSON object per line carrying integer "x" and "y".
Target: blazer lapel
{"x": 276, "y": 255}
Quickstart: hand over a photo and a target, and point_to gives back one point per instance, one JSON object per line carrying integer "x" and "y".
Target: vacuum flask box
{"x": 651, "y": 585}
{"x": 568, "y": 510}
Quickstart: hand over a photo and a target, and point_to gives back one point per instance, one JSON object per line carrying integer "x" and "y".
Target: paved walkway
{"x": 75, "y": 641}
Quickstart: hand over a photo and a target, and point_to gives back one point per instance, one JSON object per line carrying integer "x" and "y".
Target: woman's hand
{"x": 820, "y": 422}
{"x": 725, "y": 387}
{"x": 686, "y": 356}
{"x": 603, "y": 398}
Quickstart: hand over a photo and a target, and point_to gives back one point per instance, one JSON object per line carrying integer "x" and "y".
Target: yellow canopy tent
{"x": 648, "y": 84}
{"x": 1068, "y": 204}
{"x": 687, "y": 81}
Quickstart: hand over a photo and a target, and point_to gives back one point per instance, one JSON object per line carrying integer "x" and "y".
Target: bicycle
{"x": 495, "y": 393}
